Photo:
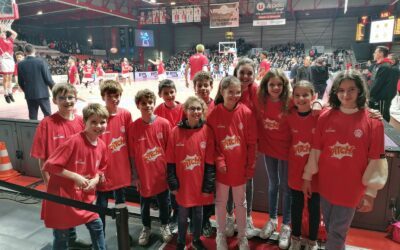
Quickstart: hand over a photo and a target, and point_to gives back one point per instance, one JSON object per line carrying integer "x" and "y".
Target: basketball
{"x": 113, "y": 50}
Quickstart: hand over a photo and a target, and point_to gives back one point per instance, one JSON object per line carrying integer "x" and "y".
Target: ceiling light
{"x": 39, "y": 12}
{"x": 173, "y": 3}
{"x": 152, "y": 1}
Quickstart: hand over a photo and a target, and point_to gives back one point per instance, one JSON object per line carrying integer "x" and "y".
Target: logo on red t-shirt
{"x": 339, "y": 150}
{"x": 270, "y": 124}
{"x": 116, "y": 144}
{"x": 152, "y": 154}
{"x": 230, "y": 142}
{"x": 301, "y": 149}
{"x": 191, "y": 161}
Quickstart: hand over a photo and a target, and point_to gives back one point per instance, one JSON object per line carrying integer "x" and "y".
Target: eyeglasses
{"x": 64, "y": 98}
{"x": 194, "y": 109}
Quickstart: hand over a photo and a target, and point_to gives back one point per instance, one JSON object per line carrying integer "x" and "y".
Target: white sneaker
{"x": 268, "y": 229}
{"x": 230, "y": 226}
{"x": 284, "y": 237}
{"x": 295, "y": 244}
{"x": 243, "y": 244}
{"x": 221, "y": 242}
{"x": 165, "y": 233}
{"x": 311, "y": 246}
{"x": 250, "y": 229}
{"x": 144, "y": 236}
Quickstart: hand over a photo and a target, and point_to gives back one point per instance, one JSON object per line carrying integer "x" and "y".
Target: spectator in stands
{"x": 383, "y": 82}
{"x": 264, "y": 67}
{"x": 303, "y": 72}
{"x": 293, "y": 70}
{"x": 319, "y": 76}
{"x": 197, "y": 62}
{"x": 34, "y": 78}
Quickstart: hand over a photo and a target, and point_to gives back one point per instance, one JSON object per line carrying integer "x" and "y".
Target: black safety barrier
{"x": 120, "y": 213}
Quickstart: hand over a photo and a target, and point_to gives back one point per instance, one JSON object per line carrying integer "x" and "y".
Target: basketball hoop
{"x": 8, "y": 13}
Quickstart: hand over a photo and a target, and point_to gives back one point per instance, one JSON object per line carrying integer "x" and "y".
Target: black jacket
{"x": 303, "y": 73}
{"x": 209, "y": 170}
{"x": 319, "y": 74}
{"x": 34, "y": 78}
{"x": 384, "y": 81}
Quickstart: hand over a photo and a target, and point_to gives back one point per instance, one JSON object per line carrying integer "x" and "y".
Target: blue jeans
{"x": 163, "y": 204}
{"x": 102, "y": 201}
{"x": 196, "y": 217}
{"x": 337, "y": 221}
{"x": 277, "y": 171}
{"x": 95, "y": 227}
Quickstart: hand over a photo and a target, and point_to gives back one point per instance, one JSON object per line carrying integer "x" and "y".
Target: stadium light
{"x": 173, "y": 3}
{"x": 39, "y": 12}
{"x": 153, "y": 1}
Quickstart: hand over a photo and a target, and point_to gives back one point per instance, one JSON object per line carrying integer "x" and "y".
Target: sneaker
{"x": 243, "y": 244}
{"x": 207, "y": 230}
{"x": 284, "y": 237}
{"x": 144, "y": 236}
{"x": 79, "y": 244}
{"x": 198, "y": 245}
{"x": 165, "y": 233}
{"x": 180, "y": 246}
{"x": 7, "y": 97}
{"x": 250, "y": 229}
{"x": 221, "y": 242}
{"x": 311, "y": 245}
{"x": 11, "y": 97}
{"x": 268, "y": 229}
{"x": 230, "y": 226}
{"x": 295, "y": 244}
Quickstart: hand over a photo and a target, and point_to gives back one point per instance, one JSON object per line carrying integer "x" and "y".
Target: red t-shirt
{"x": 274, "y": 136}
{"x": 72, "y": 72}
{"x": 88, "y": 71}
{"x": 148, "y": 143}
{"x": 190, "y": 149}
{"x": 249, "y": 97}
{"x": 236, "y": 135}
{"x": 197, "y": 62}
{"x": 264, "y": 64}
{"x": 210, "y": 106}
{"x": 7, "y": 45}
{"x": 118, "y": 174}
{"x": 51, "y": 132}
{"x": 77, "y": 155}
{"x": 302, "y": 130}
{"x": 99, "y": 71}
{"x": 125, "y": 68}
{"x": 173, "y": 115}
{"x": 346, "y": 143}
{"x": 160, "y": 68}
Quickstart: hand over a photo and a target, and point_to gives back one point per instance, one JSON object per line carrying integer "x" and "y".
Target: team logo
{"x": 122, "y": 129}
{"x": 220, "y": 126}
{"x": 116, "y": 144}
{"x": 80, "y": 162}
{"x": 142, "y": 139}
{"x": 152, "y": 154}
{"x": 203, "y": 145}
{"x": 339, "y": 150}
{"x": 302, "y": 148}
{"x": 260, "y": 6}
{"x": 313, "y": 131}
{"x": 330, "y": 130}
{"x": 56, "y": 137}
{"x": 159, "y": 136}
{"x": 240, "y": 126}
{"x": 270, "y": 124}
{"x": 295, "y": 131}
{"x": 230, "y": 142}
{"x": 180, "y": 144}
{"x": 358, "y": 133}
{"x": 191, "y": 161}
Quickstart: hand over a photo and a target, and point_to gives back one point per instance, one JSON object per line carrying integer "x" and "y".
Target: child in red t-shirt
{"x": 99, "y": 73}
{"x": 245, "y": 72}
{"x": 75, "y": 168}
{"x": 191, "y": 169}
{"x": 274, "y": 143}
{"x": 235, "y": 132}
{"x": 54, "y": 130}
{"x": 302, "y": 125}
{"x": 349, "y": 156}
{"x": 148, "y": 137}
{"x": 118, "y": 173}
{"x": 170, "y": 109}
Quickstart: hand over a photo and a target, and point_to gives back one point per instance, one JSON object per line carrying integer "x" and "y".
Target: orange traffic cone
{"x": 6, "y": 169}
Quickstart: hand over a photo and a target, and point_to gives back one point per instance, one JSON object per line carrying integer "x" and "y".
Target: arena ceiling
{"x": 54, "y": 12}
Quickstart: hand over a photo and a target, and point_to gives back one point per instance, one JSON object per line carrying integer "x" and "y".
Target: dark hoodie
{"x": 319, "y": 74}
{"x": 383, "y": 81}
{"x": 209, "y": 170}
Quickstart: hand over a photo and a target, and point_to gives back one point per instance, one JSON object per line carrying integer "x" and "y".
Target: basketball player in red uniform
{"x": 126, "y": 70}
{"x": 7, "y": 38}
{"x": 160, "y": 68}
{"x": 73, "y": 75}
{"x": 196, "y": 63}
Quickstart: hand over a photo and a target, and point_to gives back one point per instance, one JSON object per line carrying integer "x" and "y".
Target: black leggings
{"x": 297, "y": 214}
